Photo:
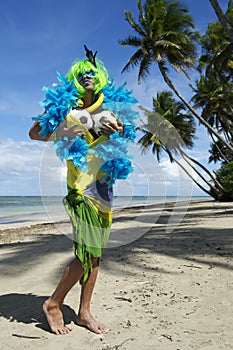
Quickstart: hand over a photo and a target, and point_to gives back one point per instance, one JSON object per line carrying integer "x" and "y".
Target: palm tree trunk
{"x": 199, "y": 174}
{"x": 198, "y": 116}
{"x": 192, "y": 178}
{"x": 220, "y": 152}
{"x": 188, "y": 159}
{"x": 223, "y": 19}
{"x": 185, "y": 158}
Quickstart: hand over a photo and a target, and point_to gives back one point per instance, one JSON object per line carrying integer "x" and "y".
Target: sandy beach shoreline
{"x": 17, "y": 227}
{"x": 163, "y": 284}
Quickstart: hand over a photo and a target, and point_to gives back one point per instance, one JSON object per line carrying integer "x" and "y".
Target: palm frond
{"x": 134, "y": 60}
{"x": 130, "y": 19}
{"x": 144, "y": 68}
{"x": 131, "y": 40}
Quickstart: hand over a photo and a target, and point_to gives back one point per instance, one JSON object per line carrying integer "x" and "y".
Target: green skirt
{"x": 91, "y": 225}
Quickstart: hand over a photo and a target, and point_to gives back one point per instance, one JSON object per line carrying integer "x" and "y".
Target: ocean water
{"x": 25, "y": 208}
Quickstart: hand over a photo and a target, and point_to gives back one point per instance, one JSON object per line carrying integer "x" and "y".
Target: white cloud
{"x": 153, "y": 178}
{"x": 29, "y": 168}
{"x": 147, "y": 89}
{"x": 19, "y": 167}
{"x": 20, "y": 156}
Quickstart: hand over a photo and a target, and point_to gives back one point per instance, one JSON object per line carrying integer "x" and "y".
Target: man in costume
{"x": 85, "y": 133}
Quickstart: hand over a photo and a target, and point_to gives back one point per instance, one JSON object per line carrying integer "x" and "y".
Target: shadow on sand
{"x": 27, "y": 308}
{"x": 188, "y": 241}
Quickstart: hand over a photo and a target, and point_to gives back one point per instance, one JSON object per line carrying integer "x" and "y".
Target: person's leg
{"x": 84, "y": 314}
{"x": 52, "y": 306}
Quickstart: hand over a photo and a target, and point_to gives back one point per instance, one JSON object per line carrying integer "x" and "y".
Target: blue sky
{"x": 39, "y": 38}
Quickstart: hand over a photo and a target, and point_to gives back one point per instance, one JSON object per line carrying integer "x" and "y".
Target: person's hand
{"x": 120, "y": 126}
{"x": 110, "y": 128}
{"x": 70, "y": 132}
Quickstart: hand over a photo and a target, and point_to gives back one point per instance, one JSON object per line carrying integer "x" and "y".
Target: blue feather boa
{"x": 115, "y": 161}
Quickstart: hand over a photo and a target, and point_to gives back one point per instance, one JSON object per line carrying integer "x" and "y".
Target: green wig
{"x": 101, "y": 78}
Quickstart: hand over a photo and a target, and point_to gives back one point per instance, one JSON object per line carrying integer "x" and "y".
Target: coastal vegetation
{"x": 164, "y": 35}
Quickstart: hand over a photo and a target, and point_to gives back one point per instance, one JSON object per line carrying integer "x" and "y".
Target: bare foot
{"x": 91, "y": 323}
{"x": 55, "y": 318}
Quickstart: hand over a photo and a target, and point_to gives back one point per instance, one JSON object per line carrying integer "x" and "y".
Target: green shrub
{"x": 225, "y": 176}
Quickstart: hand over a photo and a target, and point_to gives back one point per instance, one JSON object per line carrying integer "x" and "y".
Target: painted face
{"x": 87, "y": 79}
{"x": 84, "y": 74}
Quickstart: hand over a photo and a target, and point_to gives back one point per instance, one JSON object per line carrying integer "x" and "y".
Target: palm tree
{"x": 219, "y": 153}
{"x": 168, "y": 128}
{"x": 164, "y": 35}
{"x": 217, "y": 48}
{"x": 215, "y": 99}
{"x": 223, "y": 19}
{"x": 214, "y": 89}
{"x": 171, "y": 129}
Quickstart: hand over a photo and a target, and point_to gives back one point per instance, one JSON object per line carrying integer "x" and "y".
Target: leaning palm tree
{"x": 219, "y": 153}
{"x": 217, "y": 49}
{"x": 215, "y": 99}
{"x": 170, "y": 129}
{"x": 164, "y": 35}
{"x": 223, "y": 18}
{"x": 214, "y": 89}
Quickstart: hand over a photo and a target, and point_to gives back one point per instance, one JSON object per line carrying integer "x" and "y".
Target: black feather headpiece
{"x": 90, "y": 56}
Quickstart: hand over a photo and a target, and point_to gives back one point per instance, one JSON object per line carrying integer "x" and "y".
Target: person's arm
{"x": 63, "y": 131}
{"x": 34, "y": 133}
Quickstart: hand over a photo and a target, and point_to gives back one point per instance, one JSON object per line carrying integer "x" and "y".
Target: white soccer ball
{"x": 83, "y": 117}
{"x": 101, "y": 118}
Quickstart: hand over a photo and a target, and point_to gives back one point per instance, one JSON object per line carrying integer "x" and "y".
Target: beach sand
{"x": 164, "y": 283}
